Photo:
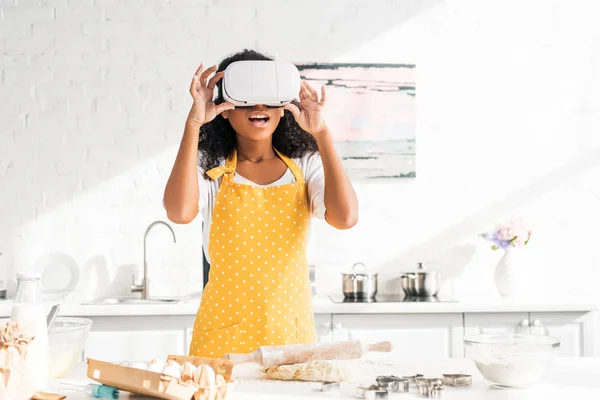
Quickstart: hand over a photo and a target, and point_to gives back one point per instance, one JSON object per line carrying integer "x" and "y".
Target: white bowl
{"x": 512, "y": 360}
{"x": 66, "y": 341}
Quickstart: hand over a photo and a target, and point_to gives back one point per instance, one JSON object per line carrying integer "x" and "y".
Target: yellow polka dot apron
{"x": 258, "y": 292}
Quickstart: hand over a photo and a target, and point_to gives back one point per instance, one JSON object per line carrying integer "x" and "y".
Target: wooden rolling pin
{"x": 271, "y": 356}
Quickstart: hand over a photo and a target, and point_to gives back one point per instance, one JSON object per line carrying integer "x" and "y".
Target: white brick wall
{"x": 93, "y": 96}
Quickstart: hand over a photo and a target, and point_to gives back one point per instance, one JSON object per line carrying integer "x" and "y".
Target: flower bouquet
{"x": 513, "y": 233}
{"x": 511, "y": 268}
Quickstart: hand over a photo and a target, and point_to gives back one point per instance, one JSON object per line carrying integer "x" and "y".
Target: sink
{"x": 134, "y": 300}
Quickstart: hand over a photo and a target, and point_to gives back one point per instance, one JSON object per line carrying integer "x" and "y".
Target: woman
{"x": 256, "y": 175}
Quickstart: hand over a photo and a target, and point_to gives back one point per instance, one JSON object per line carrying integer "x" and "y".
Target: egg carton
{"x": 224, "y": 368}
{"x": 163, "y": 386}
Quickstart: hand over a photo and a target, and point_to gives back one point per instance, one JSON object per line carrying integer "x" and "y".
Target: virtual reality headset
{"x": 250, "y": 83}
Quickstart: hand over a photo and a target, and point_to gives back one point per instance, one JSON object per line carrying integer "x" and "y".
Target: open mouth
{"x": 258, "y": 119}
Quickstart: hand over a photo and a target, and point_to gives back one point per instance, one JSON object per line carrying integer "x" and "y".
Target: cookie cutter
{"x": 393, "y": 383}
{"x": 427, "y": 386}
{"x": 429, "y": 381}
{"x": 413, "y": 379}
{"x": 372, "y": 392}
{"x": 423, "y": 390}
{"x": 457, "y": 380}
{"x": 436, "y": 392}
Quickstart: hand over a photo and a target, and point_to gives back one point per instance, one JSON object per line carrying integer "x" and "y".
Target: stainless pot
{"x": 359, "y": 284}
{"x": 421, "y": 283}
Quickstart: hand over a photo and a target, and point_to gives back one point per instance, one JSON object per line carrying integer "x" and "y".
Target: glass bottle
{"x": 28, "y": 311}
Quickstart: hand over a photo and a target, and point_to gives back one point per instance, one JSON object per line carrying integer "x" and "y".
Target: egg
{"x": 197, "y": 373}
{"x": 172, "y": 369}
{"x": 221, "y": 393}
{"x": 139, "y": 365}
{"x": 221, "y": 388}
{"x": 207, "y": 376}
{"x": 156, "y": 366}
{"x": 187, "y": 372}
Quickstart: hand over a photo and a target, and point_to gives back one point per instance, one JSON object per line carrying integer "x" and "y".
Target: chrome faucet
{"x": 143, "y": 287}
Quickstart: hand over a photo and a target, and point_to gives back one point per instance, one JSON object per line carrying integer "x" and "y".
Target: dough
{"x": 314, "y": 371}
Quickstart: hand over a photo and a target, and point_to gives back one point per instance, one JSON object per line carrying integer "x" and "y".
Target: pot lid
{"x": 421, "y": 269}
{"x": 359, "y": 269}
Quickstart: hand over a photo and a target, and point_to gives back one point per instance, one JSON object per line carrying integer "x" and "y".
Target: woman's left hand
{"x": 309, "y": 115}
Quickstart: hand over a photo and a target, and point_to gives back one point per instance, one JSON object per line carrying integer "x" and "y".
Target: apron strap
{"x": 296, "y": 171}
{"x": 227, "y": 170}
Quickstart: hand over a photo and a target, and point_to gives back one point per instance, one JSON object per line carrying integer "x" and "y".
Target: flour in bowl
{"x": 512, "y": 365}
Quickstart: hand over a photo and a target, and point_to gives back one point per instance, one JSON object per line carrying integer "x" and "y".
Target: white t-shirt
{"x": 311, "y": 166}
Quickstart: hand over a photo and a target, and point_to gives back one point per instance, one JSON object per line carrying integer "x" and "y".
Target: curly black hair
{"x": 218, "y": 138}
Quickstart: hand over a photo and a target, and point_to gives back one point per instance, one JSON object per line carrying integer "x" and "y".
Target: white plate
{"x": 59, "y": 272}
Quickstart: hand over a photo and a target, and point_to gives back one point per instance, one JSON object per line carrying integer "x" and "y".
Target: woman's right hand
{"x": 202, "y": 89}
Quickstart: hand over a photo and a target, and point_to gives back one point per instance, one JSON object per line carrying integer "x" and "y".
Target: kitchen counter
{"x": 324, "y": 305}
{"x": 568, "y": 378}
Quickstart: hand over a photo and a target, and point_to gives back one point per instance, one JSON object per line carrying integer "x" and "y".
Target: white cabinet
{"x": 494, "y": 322}
{"x": 141, "y": 338}
{"x": 415, "y": 336}
{"x": 574, "y": 330}
{"x": 137, "y": 338}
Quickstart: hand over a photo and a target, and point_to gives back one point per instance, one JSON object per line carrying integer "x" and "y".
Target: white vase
{"x": 510, "y": 273}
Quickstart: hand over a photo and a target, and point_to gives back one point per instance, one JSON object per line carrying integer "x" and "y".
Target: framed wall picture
{"x": 371, "y": 112}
